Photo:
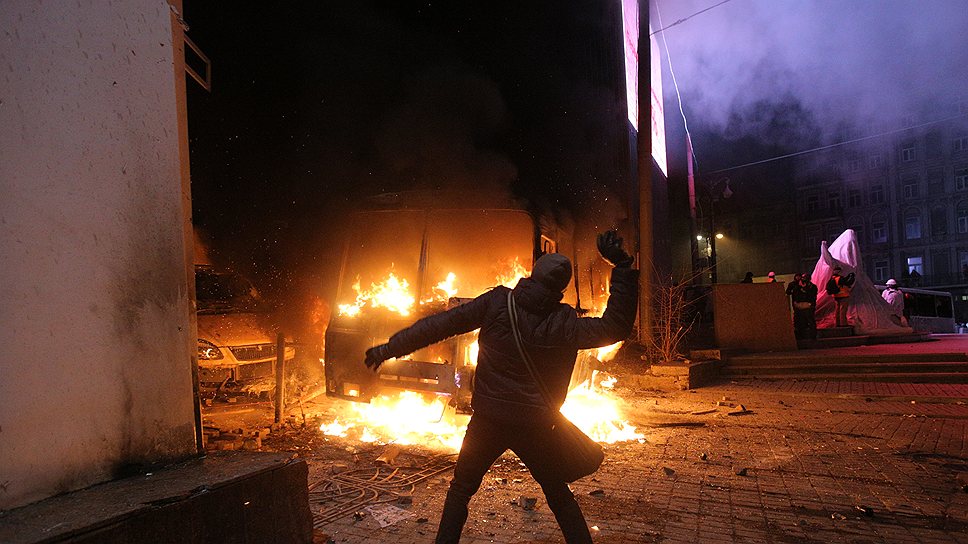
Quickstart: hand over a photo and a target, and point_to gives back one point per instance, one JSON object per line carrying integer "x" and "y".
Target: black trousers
{"x": 805, "y": 324}
{"x": 484, "y": 442}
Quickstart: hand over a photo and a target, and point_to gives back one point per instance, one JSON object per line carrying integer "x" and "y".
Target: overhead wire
{"x": 831, "y": 146}
{"x": 684, "y": 19}
{"x": 675, "y": 82}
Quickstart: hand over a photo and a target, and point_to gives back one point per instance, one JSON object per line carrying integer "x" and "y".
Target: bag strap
{"x": 519, "y": 342}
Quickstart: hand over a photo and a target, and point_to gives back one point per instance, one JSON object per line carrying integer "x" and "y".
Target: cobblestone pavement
{"x": 826, "y": 463}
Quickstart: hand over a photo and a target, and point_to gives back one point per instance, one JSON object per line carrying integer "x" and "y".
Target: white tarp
{"x": 867, "y": 311}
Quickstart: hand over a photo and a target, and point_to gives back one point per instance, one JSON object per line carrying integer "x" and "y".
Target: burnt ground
{"x": 830, "y": 463}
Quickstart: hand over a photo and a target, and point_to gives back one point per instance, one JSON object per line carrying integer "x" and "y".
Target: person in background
{"x": 509, "y": 410}
{"x": 803, "y": 294}
{"x": 839, "y": 287}
{"x": 771, "y": 277}
{"x": 748, "y": 278}
{"x": 895, "y": 297}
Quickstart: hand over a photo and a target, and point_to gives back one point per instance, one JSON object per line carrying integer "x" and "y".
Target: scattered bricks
{"x": 866, "y": 510}
{"x": 405, "y": 498}
{"x": 501, "y": 480}
{"x": 528, "y": 503}
{"x": 516, "y": 481}
{"x": 835, "y": 515}
{"x": 704, "y": 412}
{"x": 359, "y": 515}
{"x": 597, "y": 493}
{"x": 252, "y": 444}
{"x": 422, "y": 520}
{"x": 741, "y": 471}
{"x": 668, "y": 471}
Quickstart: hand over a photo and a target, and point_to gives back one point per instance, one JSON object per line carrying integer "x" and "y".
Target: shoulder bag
{"x": 577, "y": 454}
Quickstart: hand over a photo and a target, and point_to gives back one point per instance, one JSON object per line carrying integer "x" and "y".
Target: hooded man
{"x": 509, "y": 409}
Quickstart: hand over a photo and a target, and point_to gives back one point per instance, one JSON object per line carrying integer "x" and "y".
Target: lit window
{"x": 915, "y": 264}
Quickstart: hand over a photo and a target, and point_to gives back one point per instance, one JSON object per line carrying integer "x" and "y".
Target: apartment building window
{"x": 853, "y": 164}
{"x": 874, "y": 160}
{"x": 877, "y": 193}
{"x": 962, "y": 218}
{"x": 909, "y": 152}
{"x": 880, "y": 271}
{"x": 939, "y": 222}
{"x": 909, "y": 186}
{"x": 915, "y": 264}
{"x": 912, "y": 227}
{"x": 833, "y": 201}
{"x": 961, "y": 179}
{"x": 811, "y": 239}
{"x": 813, "y": 203}
{"x": 854, "y": 199}
{"x": 959, "y": 144}
{"x": 936, "y": 181}
{"x": 878, "y": 231}
{"x": 856, "y": 224}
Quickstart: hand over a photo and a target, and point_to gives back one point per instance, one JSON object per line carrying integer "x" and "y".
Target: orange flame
{"x": 512, "y": 271}
{"x": 410, "y": 418}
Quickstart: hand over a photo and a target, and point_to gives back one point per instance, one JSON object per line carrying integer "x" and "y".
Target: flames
{"x": 396, "y": 295}
{"x": 393, "y": 293}
{"x": 512, "y": 271}
{"x": 407, "y": 418}
{"x": 413, "y": 418}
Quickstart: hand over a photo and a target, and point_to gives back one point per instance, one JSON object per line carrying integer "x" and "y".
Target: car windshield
{"x": 222, "y": 291}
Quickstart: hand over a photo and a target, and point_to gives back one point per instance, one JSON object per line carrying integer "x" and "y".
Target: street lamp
{"x": 715, "y": 191}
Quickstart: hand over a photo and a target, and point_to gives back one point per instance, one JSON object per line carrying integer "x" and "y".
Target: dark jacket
{"x": 803, "y": 293}
{"x": 553, "y": 332}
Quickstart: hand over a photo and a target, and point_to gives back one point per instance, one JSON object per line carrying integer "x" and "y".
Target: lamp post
{"x": 714, "y": 194}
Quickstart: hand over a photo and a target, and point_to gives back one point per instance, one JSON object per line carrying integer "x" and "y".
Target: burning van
{"x": 236, "y": 349}
{"x": 402, "y": 264}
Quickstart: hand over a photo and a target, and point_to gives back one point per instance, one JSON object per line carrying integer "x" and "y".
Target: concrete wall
{"x": 95, "y": 328}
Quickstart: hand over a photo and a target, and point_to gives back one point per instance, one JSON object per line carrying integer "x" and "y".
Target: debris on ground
{"x": 704, "y": 412}
{"x": 387, "y": 514}
{"x": 703, "y": 456}
{"x": 835, "y": 515}
{"x": 866, "y": 510}
{"x": 742, "y": 471}
{"x": 739, "y": 411}
{"x": 668, "y": 471}
{"x": 528, "y": 503}
{"x": 597, "y": 492}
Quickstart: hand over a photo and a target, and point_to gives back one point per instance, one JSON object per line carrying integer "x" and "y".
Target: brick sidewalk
{"x": 818, "y": 468}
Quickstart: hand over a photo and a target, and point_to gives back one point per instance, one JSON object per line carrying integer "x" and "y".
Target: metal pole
{"x": 644, "y": 156}
{"x": 280, "y": 375}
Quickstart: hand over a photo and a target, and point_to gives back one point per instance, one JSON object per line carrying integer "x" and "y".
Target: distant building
{"x": 905, "y": 193}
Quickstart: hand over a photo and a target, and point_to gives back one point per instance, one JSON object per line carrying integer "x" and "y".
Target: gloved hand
{"x": 376, "y": 355}
{"x": 610, "y": 247}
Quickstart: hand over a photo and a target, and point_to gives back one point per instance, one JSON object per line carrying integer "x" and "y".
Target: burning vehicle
{"x": 236, "y": 350}
{"x": 405, "y": 263}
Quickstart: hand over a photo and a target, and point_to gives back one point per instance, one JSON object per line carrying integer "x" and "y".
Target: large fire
{"x": 395, "y": 294}
{"x": 412, "y": 418}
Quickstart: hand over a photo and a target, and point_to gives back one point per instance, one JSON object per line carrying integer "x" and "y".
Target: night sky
{"x": 316, "y": 105}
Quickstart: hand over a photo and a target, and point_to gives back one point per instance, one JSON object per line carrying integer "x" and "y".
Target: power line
{"x": 821, "y": 148}
{"x": 680, "y": 21}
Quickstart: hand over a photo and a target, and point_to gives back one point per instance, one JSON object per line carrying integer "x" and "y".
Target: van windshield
{"x": 403, "y": 258}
